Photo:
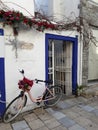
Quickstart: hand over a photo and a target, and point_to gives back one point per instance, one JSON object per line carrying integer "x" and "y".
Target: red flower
{"x": 39, "y": 23}
{"x": 33, "y": 21}
{"x": 9, "y": 13}
{"x": 25, "y": 20}
{"x": 11, "y": 18}
{"x": 17, "y": 18}
{"x": 18, "y": 14}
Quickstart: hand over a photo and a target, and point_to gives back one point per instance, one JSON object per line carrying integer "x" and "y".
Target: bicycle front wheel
{"x": 53, "y": 96}
{"x": 14, "y": 108}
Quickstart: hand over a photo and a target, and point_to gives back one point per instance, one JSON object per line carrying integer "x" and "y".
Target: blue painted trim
{"x": 2, "y": 81}
{"x": 2, "y": 86}
{"x": 1, "y": 32}
{"x": 74, "y": 65}
{"x": 74, "y": 56}
{"x": 46, "y": 57}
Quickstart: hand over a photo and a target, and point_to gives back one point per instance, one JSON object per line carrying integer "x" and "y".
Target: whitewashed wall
{"x": 63, "y": 9}
{"x": 59, "y": 9}
{"x": 42, "y": 6}
{"x": 2, "y": 48}
{"x": 24, "y": 6}
{"x": 31, "y": 60}
{"x": 93, "y": 58}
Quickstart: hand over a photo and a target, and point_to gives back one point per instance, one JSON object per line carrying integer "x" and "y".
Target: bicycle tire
{"x": 53, "y": 100}
{"x": 12, "y": 110}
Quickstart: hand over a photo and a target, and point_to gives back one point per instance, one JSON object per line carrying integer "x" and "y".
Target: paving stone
{"x": 95, "y": 112}
{"x": 45, "y": 116}
{"x": 26, "y": 129}
{"x": 77, "y": 127}
{"x": 43, "y": 128}
{"x": 81, "y": 105}
{"x": 96, "y": 107}
{"x": 82, "y": 99}
{"x": 30, "y": 117}
{"x": 4, "y": 126}
{"x": 82, "y": 121}
{"x": 76, "y": 109}
{"x": 75, "y": 100}
{"x": 20, "y": 125}
{"x": 58, "y": 115}
{"x": 60, "y": 128}
{"x": 67, "y": 122}
{"x": 87, "y": 108}
{"x": 50, "y": 110}
{"x": 93, "y": 104}
{"x": 94, "y": 119}
{"x": 74, "y": 114}
{"x": 52, "y": 123}
{"x": 63, "y": 105}
{"x": 72, "y": 103}
{"x": 86, "y": 114}
{"x": 39, "y": 111}
{"x": 36, "y": 124}
{"x": 92, "y": 127}
{"x": 71, "y": 114}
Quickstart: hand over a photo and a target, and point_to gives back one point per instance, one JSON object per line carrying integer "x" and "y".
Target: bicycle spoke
{"x": 53, "y": 96}
{"x": 14, "y": 108}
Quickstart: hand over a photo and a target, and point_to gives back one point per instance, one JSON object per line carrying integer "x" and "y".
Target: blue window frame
{"x": 74, "y": 41}
{"x": 2, "y": 80}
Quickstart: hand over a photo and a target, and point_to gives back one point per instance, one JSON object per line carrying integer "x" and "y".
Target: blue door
{"x": 61, "y": 61}
{"x": 2, "y": 73}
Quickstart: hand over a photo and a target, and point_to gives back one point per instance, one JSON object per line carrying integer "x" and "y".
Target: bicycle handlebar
{"x": 38, "y": 80}
{"x": 21, "y": 71}
{"x": 45, "y": 81}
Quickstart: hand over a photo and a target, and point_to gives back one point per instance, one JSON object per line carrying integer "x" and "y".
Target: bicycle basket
{"x": 25, "y": 84}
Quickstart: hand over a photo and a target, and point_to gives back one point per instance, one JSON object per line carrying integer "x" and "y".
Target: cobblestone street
{"x": 70, "y": 114}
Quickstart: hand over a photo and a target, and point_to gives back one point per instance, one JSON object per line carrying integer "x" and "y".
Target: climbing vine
{"x": 14, "y": 18}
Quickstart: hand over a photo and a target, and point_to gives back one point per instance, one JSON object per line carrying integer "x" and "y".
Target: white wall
{"x": 93, "y": 58}
{"x": 41, "y": 6}
{"x": 24, "y": 6}
{"x": 2, "y": 55}
{"x": 31, "y": 60}
{"x": 61, "y": 9}
{"x": 2, "y": 47}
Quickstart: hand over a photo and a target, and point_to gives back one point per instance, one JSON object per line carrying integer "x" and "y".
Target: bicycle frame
{"x": 50, "y": 96}
{"x": 40, "y": 99}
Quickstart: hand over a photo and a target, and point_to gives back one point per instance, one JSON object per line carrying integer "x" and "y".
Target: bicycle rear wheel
{"x": 14, "y": 108}
{"x": 53, "y": 97}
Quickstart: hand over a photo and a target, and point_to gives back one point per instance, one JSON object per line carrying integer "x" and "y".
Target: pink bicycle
{"x": 51, "y": 96}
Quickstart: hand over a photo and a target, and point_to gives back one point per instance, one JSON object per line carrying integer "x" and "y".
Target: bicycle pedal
{"x": 38, "y": 103}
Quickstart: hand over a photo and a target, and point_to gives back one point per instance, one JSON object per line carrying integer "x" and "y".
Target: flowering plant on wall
{"x": 15, "y": 17}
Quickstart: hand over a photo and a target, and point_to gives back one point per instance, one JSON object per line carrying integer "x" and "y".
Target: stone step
{"x": 91, "y": 91}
